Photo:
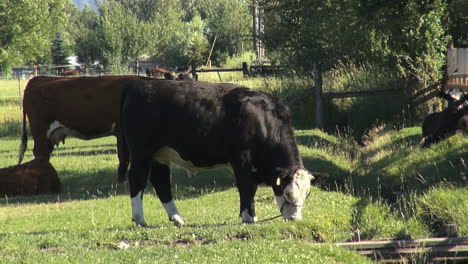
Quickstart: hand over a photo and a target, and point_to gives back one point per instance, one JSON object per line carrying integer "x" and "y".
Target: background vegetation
{"x": 369, "y": 44}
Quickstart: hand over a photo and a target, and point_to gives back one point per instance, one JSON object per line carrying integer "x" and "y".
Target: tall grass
{"x": 11, "y": 92}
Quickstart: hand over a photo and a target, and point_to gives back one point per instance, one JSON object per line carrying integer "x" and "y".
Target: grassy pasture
{"x": 90, "y": 219}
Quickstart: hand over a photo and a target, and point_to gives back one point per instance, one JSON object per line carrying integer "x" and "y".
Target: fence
{"x": 253, "y": 70}
{"x": 432, "y": 250}
{"x": 457, "y": 68}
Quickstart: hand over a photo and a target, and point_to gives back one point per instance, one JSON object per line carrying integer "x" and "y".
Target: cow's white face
{"x": 294, "y": 195}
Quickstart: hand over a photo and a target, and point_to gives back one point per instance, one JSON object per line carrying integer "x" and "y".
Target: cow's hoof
{"x": 177, "y": 220}
{"x": 247, "y": 219}
{"x": 140, "y": 224}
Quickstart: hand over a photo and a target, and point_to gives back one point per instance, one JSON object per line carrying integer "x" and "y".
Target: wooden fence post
{"x": 245, "y": 69}
{"x": 194, "y": 71}
{"x": 318, "y": 96}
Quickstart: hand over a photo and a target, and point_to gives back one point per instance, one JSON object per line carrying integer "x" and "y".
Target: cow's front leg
{"x": 246, "y": 186}
{"x": 137, "y": 177}
{"x": 161, "y": 181}
{"x": 247, "y": 190}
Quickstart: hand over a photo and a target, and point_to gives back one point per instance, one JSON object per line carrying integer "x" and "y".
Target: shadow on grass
{"x": 338, "y": 179}
{"x": 314, "y": 140}
{"x": 417, "y": 177}
{"x": 10, "y": 129}
{"x": 80, "y": 153}
{"x": 400, "y": 143}
{"x": 103, "y": 184}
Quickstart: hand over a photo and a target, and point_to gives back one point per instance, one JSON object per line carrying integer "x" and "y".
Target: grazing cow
{"x": 81, "y": 107}
{"x": 198, "y": 125}
{"x": 33, "y": 177}
{"x": 157, "y": 71}
{"x": 440, "y": 125}
{"x": 72, "y": 73}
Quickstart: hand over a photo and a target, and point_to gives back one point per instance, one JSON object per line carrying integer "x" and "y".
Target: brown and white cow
{"x": 30, "y": 178}
{"x": 81, "y": 107}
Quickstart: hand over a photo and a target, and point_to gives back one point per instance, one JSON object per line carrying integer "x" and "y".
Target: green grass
{"x": 92, "y": 215}
{"x": 10, "y": 107}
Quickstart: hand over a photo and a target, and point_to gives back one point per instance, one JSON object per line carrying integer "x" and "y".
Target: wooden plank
{"x": 220, "y": 70}
{"x": 451, "y": 61}
{"x": 466, "y": 63}
{"x": 370, "y": 244}
{"x": 461, "y": 53}
{"x": 439, "y": 251}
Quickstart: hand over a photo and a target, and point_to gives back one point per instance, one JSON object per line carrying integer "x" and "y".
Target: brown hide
{"x": 87, "y": 105}
{"x": 33, "y": 177}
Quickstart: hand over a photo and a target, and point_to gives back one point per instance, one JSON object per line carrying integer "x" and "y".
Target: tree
{"x": 408, "y": 37}
{"x": 458, "y": 22}
{"x": 58, "y": 50}
{"x": 87, "y": 44}
{"x": 123, "y": 36}
{"x": 27, "y": 28}
{"x": 229, "y": 21}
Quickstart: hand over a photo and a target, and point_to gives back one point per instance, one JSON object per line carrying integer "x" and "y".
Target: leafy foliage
{"x": 408, "y": 37}
{"x": 26, "y": 29}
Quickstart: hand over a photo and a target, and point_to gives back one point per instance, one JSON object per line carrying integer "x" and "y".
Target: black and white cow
{"x": 440, "y": 125}
{"x": 199, "y": 125}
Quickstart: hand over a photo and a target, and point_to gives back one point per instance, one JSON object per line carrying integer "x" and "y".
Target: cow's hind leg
{"x": 42, "y": 145}
{"x": 137, "y": 178}
{"x": 161, "y": 181}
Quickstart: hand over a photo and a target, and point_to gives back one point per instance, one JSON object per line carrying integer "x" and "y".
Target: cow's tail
{"x": 24, "y": 140}
{"x": 124, "y": 158}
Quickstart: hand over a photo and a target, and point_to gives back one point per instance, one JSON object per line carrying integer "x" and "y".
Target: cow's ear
{"x": 319, "y": 177}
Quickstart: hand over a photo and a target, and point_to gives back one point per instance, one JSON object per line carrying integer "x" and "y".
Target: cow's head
{"x": 292, "y": 191}
{"x": 295, "y": 190}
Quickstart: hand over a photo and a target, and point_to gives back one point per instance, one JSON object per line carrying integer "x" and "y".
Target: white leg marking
{"x": 173, "y": 213}
{"x": 137, "y": 210}
{"x": 246, "y": 218}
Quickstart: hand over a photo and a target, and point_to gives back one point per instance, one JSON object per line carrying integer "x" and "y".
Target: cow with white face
{"x": 198, "y": 125}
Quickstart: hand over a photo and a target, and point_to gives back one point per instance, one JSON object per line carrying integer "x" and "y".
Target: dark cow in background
{"x": 72, "y": 73}
{"x": 30, "y": 178}
{"x": 440, "y": 125}
{"x": 81, "y": 107}
{"x": 199, "y": 125}
{"x": 156, "y": 72}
